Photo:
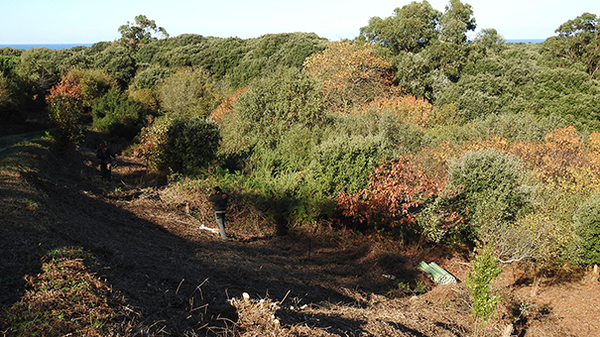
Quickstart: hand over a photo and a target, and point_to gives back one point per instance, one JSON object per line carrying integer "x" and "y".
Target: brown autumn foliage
{"x": 67, "y": 87}
{"x": 226, "y": 106}
{"x": 562, "y": 160}
{"x": 396, "y": 188}
{"x": 409, "y": 108}
{"x": 350, "y": 75}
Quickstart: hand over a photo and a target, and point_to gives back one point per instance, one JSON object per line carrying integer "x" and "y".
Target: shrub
{"x": 349, "y": 74}
{"x": 275, "y": 103}
{"x": 188, "y": 93}
{"x": 518, "y": 126}
{"x": 191, "y": 144}
{"x": 561, "y": 161}
{"x": 116, "y": 114}
{"x": 65, "y": 108}
{"x": 266, "y": 112}
{"x": 150, "y": 77}
{"x": 587, "y": 227}
{"x": 260, "y": 55}
{"x": 38, "y": 71}
{"x": 146, "y": 97}
{"x": 343, "y": 163}
{"x": 117, "y": 61}
{"x": 484, "y": 188}
{"x": 296, "y": 146}
{"x": 473, "y": 104}
{"x": 488, "y": 185}
{"x": 94, "y": 83}
{"x": 8, "y": 102}
{"x": 486, "y": 268}
{"x": 408, "y": 108}
{"x": 397, "y": 189}
{"x": 226, "y": 106}
{"x": 397, "y": 135}
{"x": 152, "y": 144}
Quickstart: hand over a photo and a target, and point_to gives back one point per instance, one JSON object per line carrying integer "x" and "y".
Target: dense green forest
{"x": 411, "y": 130}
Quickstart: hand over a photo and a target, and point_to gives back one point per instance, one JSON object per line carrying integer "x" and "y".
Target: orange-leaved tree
{"x": 409, "y": 108}
{"x": 562, "y": 160}
{"x": 65, "y": 108}
{"x": 397, "y": 188}
{"x": 350, "y": 74}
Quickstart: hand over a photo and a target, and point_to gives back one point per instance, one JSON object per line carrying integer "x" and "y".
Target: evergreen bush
{"x": 191, "y": 144}
{"x": 116, "y": 114}
{"x": 488, "y": 185}
{"x": 587, "y": 227}
{"x": 150, "y": 77}
{"x": 189, "y": 92}
{"x": 486, "y": 190}
{"x": 117, "y": 61}
{"x": 94, "y": 83}
{"x": 273, "y": 105}
{"x": 343, "y": 162}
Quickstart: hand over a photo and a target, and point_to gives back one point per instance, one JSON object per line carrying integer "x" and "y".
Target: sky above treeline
{"x": 84, "y": 21}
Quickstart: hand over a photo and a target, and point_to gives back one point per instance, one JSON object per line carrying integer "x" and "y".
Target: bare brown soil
{"x": 161, "y": 275}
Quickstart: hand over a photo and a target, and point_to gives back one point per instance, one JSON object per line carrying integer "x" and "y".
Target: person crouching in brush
{"x": 107, "y": 159}
{"x": 219, "y": 200}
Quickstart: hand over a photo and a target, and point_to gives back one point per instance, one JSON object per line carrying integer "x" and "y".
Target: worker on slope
{"x": 219, "y": 200}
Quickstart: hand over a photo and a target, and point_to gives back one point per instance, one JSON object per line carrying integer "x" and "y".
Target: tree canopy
{"x": 409, "y": 29}
{"x": 578, "y": 41}
{"x": 141, "y": 32}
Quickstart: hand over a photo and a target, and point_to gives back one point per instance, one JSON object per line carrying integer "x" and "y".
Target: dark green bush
{"x": 488, "y": 185}
{"x": 189, "y": 92}
{"x": 10, "y": 100}
{"x": 264, "y": 54}
{"x": 116, "y": 114}
{"x": 118, "y": 62}
{"x": 191, "y": 144}
{"x": 150, "y": 77}
{"x": 587, "y": 227}
{"x": 343, "y": 163}
{"x": 276, "y": 103}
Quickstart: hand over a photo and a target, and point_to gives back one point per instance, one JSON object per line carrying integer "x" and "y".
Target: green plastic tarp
{"x": 439, "y": 274}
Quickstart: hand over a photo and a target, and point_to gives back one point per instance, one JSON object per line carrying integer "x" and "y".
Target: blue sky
{"x": 83, "y": 21}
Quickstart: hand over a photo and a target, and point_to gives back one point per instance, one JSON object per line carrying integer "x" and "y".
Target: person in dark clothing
{"x": 219, "y": 200}
{"x": 105, "y": 154}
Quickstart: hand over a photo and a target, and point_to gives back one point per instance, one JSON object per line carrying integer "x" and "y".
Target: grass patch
{"x": 67, "y": 298}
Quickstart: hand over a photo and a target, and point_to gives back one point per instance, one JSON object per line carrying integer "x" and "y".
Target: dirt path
{"x": 179, "y": 279}
{"x": 574, "y": 308}
{"x": 149, "y": 249}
